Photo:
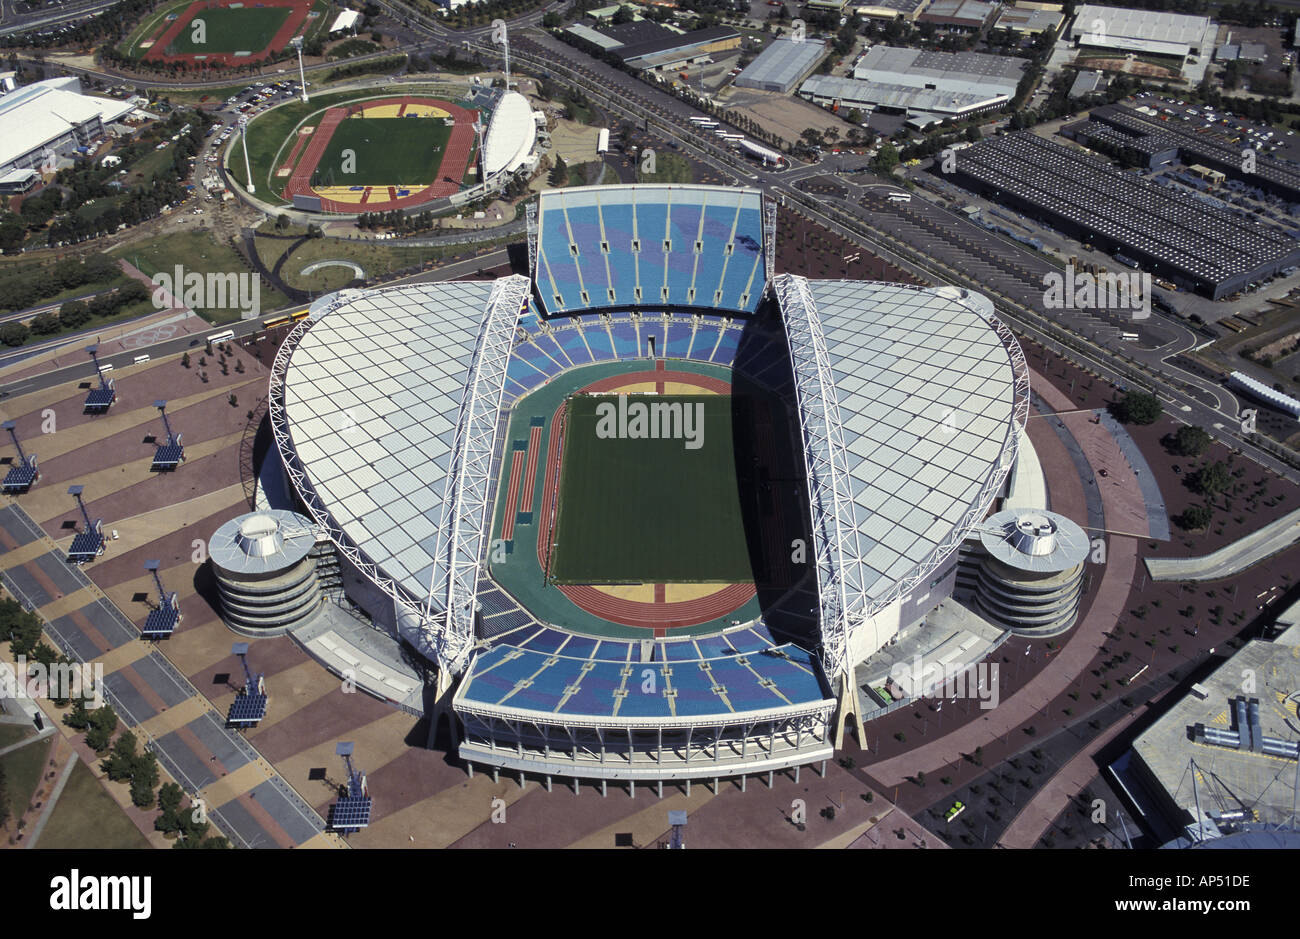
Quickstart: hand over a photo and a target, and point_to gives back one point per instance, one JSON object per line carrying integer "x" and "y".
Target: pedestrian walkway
{"x": 1243, "y": 553}
{"x": 52, "y": 801}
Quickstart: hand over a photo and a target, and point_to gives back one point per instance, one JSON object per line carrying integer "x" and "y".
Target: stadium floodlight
{"x": 243, "y": 136}
{"x": 302, "y": 76}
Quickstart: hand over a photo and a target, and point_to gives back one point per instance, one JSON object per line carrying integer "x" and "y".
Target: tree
{"x": 13, "y": 334}
{"x": 886, "y": 159}
{"x": 1188, "y": 441}
{"x": 120, "y": 763}
{"x": 45, "y": 324}
{"x": 1211, "y": 480}
{"x": 1195, "y": 517}
{"x": 559, "y": 173}
{"x": 1137, "y": 407}
{"x": 185, "y": 360}
{"x": 143, "y": 780}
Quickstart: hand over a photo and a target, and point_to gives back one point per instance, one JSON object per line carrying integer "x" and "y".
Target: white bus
{"x": 224, "y": 336}
{"x": 1129, "y": 337}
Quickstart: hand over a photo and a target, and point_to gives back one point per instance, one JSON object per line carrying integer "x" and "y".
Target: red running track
{"x": 288, "y": 29}
{"x": 455, "y": 160}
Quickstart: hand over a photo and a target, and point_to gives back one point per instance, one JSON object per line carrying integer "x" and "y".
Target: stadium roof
{"x": 781, "y": 64}
{"x": 510, "y": 135}
{"x": 262, "y": 543}
{"x": 345, "y": 20}
{"x": 374, "y": 403}
{"x": 910, "y": 401}
{"x": 41, "y": 113}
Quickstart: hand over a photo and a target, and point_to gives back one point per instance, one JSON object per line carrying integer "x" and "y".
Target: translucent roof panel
{"x": 372, "y": 397}
{"x": 926, "y": 396}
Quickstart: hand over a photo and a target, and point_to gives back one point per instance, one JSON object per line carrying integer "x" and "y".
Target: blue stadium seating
{"x": 602, "y": 349}
{"x": 650, "y": 245}
{"x": 552, "y": 672}
{"x": 725, "y": 353}
{"x": 571, "y": 341}
{"x": 625, "y": 341}
{"x": 705, "y": 338}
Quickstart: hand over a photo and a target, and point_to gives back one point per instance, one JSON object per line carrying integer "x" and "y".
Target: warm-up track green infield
{"x": 648, "y": 492}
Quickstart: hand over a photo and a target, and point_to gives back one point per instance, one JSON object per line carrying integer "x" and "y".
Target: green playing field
{"x": 387, "y": 151}
{"x": 242, "y": 29}
{"x": 636, "y": 508}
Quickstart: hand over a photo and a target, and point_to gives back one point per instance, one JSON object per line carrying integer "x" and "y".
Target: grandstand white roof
{"x": 345, "y": 20}
{"x": 510, "y": 136}
{"x": 929, "y": 391}
{"x": 38, "y": 114}
{"x": 372, "y": 393}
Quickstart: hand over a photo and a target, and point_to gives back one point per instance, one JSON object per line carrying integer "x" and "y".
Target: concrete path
{"x": 51, "y": 802}
{"x": 1027, "y": 827}
{"x": 1231, "y": 559}
{"x": 47, "y": 732}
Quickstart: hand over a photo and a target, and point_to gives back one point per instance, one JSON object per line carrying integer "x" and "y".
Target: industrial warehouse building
{"x": 1029, "y": 19}
{"x": 1144, "y": 140}
{"x": 782, "y": 65}
{"x": 647, "y": 45}
{"x": 1169, "y": 234}
{"x": 52, "y": 117}
{"x": 963, "y": 15}
{"x": 933, "y": 85}
{"x": 1142, "y": 33}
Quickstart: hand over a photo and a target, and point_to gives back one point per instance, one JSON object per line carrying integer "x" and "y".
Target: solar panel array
{"x": 926, "y": 396}
{"x": 350, "y": 813}
{"x": 247, "y": 708}
{"x": 654, "y": 245}
{"x": 1205, "y": 244}
{"x": 20, "y": 477}
{"x": 168, "y": 456}
{"x": 161, "y": 623}
{"x": 86, "y": 546}
{"x": 100, "y": 399}
{"x": 373, "y": 392}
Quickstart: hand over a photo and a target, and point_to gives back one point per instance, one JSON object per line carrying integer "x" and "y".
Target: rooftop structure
{"x": 782, "y": 65}
{"x": 1148, "y": 134}
{"x": 347, "y": 19}
{"x": 510, "y": 136}
{"x": 52, "y": 117}
{"x": 1234, "y": 767}
{"x": 958, "y": 14}
{"x": 961, "y": 72}
{"x": 1169, "y": 233}
{"x": 1142, "y": 31}
{"x": 890, "y": 9}
{"x": 1028, "y": 21}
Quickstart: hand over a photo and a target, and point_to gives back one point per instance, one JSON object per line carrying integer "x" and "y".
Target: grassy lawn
{"x": 12, "y": 733}
{"x": 146, "y": 28}
{"x": 198, "y": 251}
{"x": 22, "y": 772}
{"x": 244, "y": 29}
{"x": 388, "y": 151}
{"x": 87, "y": 818}
{"x": 625, "y": 515}
{"x": 375, "y": 259}
{"x": 669, "y": 168}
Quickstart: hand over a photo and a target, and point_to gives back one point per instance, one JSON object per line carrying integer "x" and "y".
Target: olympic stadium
{"x": 644, "y": 509}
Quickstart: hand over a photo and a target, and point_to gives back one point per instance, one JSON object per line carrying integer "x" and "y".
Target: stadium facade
{"x": 389, "y": 410}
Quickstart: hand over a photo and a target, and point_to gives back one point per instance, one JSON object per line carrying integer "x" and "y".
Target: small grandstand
{"x": 424, "y": 428}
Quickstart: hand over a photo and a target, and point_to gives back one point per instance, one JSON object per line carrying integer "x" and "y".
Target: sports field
{"x": 227, "y": 29}
{"x": 389, "y": 151}
{"x": 649, "y": 510}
